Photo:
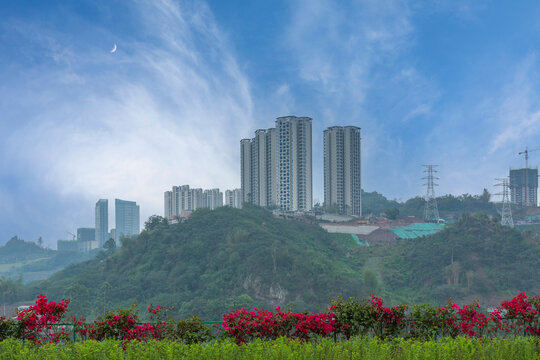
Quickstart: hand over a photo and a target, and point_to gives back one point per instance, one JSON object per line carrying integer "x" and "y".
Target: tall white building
{"x": 245, "y": 169}
{"x": 168, "y": 210}
{"x": 276, "y": 165}
{"x": 213, "y": 198}
{"x": 342, "y": 170}
{"x": 127, "y": 219}
{"x": 102, "y": 221}
{"x": 233, "y": 198}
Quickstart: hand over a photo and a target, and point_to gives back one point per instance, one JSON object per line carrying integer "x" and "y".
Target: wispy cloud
{"x": 517, "y": 109}
{"x": 164, "y": 110}
{"x": 336, "y": 45}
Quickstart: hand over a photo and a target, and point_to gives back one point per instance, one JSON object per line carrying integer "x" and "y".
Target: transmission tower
{"x": 506, "y": 212}
{"x": 431, "y": 212}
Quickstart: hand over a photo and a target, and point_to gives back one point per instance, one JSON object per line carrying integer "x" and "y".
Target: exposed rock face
{"x": 274, "y": 294}
{"x": 279, "y": 293}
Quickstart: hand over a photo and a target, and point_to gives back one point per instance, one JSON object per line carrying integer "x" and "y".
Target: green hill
{"x": 18, "y": 250}
{"x": 213, "y": 262}
{"x": 29, "y": 262}
{"x": 475, "y": 258}
{"x": 228, "y": 258}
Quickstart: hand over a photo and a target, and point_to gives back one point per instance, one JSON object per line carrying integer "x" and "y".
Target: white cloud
{"x": 160, "y": 112}
{"x": 516, "y": 114}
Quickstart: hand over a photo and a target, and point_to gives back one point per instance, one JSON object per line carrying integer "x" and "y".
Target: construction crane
{"x": 526, "y": 152}
{"x": 72, "y": 234}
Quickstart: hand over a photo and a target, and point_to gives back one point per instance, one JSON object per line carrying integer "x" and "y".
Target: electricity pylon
{"x": 506, "y": 212}
{"x": 431, "y": 212}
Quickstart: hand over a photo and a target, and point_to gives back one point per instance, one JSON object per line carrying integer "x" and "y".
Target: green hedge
{"x": 356, "y": 348}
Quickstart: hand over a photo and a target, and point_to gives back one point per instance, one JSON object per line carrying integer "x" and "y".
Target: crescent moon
{"x": 113, "y": 49}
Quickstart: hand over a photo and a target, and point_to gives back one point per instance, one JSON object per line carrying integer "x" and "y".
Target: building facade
{"x": 127, "y": 219}
{"x": 276, "y": 165}
{"x": 342, "y": 170}
{"x": 233, "y": 198}
{"x": 183, "y": 199}
{"x": 168, "y": 209}
{"x": 86, "y": 239}
{"x": 522, "y": 180}
{"x": 212, "y": 198}
{"x": 102, "y": 221}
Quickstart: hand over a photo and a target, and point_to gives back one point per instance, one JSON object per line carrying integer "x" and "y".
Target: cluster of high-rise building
{"x": 276, "y": 172}
{"x": 181, "y": 200}
{"x": 127, "y": 221}
{"x": 276, "y": 167}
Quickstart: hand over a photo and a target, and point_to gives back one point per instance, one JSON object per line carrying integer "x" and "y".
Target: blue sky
{"x": 453, "y": 83}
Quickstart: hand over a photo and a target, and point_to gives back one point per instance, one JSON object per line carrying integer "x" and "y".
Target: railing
{"x": 405, "y": 332}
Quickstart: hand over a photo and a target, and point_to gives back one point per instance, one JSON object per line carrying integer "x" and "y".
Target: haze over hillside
{"x": 229, "y": 258}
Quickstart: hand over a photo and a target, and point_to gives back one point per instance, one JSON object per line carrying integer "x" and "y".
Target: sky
{"x": 453, "y": 83}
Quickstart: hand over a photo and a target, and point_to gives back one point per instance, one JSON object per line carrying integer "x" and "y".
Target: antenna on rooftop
{"x": 506, "y": 212}
{"x": 431, "y": 212}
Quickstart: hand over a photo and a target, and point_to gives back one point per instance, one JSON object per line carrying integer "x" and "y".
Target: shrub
{"x": 38, "y": 322}
{"x": 244, "y": 325}
{"x": 192, "y": 331}
{"x": 368, "y": 317}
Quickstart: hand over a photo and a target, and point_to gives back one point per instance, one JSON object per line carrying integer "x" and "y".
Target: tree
{"x": 40, "y": 241}
{"x": 370, "y": 282}
{"x": 110, "y": 244}
{"x": 154, "y": 221}
{"x": 486, "y": 196}
{"x": 392, "y": 213}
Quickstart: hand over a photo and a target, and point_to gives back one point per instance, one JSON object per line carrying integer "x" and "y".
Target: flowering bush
{"x": 247, "y": 325}
{"x": 518, "y": 316}
{"x": 121, "y": 325}
{"x": 471, "y": 322}
{"x": 40, "y": 322}
{"x": 37, "y": 322}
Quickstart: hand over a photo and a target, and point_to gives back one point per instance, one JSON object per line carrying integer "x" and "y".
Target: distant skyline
{"x": 453, "y": 83}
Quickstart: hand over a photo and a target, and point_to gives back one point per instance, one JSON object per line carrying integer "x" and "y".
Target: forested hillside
{"x": 228, "y": 258}
{"x": 215, "y": 261}
{"x": 18, "y": 250}
{"x": 26, "y": 261}
{"x": 375, "y": 203}
{"x": 475, "y": 258}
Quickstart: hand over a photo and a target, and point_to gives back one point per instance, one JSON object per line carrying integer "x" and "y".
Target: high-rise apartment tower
{"x": 127, "y": 219}
{"x": 276, "y": 165}
{"x": 233, "y": 198}
{"x": 102, "y": 221}
{"x": 342, "y": 170}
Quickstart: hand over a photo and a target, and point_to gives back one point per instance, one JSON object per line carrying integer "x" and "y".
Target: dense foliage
{"x": 217, "y": 260}
{"x": 229, "y": 258}
{"x": 376, "y": 203}
{"x": 16, "y": 250}
{"x": 474, "y": 258}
